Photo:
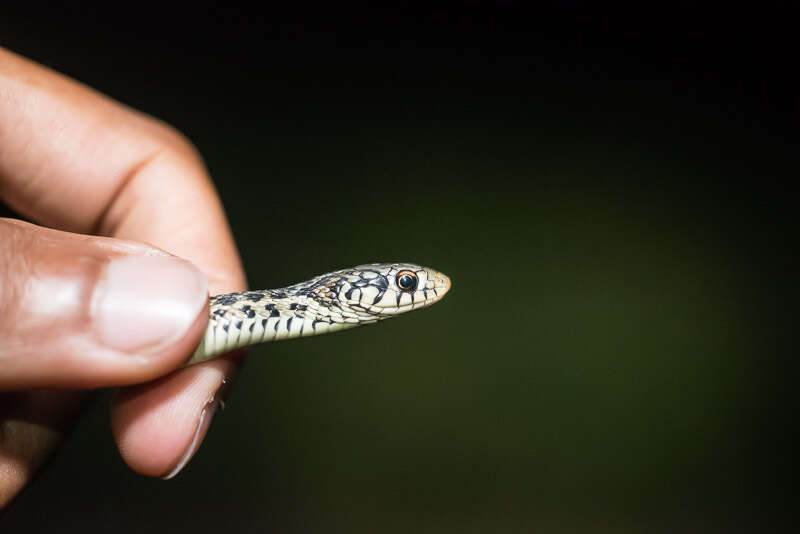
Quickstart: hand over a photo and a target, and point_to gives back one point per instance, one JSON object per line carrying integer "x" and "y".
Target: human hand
{"x": 82, "y": 311}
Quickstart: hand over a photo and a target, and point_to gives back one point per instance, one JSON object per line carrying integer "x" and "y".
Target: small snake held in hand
{"x": 330, "y": 302}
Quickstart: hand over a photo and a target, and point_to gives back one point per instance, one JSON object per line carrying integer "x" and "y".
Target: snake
{"x": 330, "y": 302}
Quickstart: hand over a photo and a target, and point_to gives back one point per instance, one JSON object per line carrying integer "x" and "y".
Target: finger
{"x": 77, "y": 160}
{"x": 73, "y": 159}
{"x": 187, "y": 401}
{"x": 85, "y": 312}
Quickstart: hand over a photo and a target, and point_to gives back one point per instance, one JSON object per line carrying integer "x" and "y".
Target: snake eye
{"x": 406, "y": 280}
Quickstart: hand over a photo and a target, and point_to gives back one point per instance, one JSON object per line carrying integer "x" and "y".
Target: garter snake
{"x": 329, "y": 302}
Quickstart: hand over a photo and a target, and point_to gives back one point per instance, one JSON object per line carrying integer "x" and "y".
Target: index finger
{"x": 73, "y": 159}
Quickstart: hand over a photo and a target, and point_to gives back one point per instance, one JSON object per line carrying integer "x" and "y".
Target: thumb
{"x": 81, "y": 311}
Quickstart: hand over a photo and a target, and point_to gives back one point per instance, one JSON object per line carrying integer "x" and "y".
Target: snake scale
{"x": 330, "y": 302}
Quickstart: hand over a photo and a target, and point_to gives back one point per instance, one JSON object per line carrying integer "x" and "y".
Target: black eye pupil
{"x": 406, "y": 281}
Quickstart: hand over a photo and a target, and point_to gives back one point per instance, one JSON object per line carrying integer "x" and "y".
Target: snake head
{"x": 380, "y": 290}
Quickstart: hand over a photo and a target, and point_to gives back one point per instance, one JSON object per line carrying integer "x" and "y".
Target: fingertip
{"x": 159, "y": 426}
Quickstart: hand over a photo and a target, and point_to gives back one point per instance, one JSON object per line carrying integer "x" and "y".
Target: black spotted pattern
{"x": 224, "y": 300}
{"x": 323, "y": 292}
{"x": 254, "y": 296}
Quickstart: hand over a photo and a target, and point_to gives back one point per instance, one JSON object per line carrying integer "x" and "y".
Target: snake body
{"x": 329, "y": 302}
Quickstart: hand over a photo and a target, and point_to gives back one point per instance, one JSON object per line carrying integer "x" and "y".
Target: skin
{"x": 95, "y": 173}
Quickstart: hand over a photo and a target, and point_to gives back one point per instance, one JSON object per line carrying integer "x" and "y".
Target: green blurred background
{"x": 610, "y": 201}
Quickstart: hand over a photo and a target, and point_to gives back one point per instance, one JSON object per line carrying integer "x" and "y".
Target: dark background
{"x": 612, "y": 192}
